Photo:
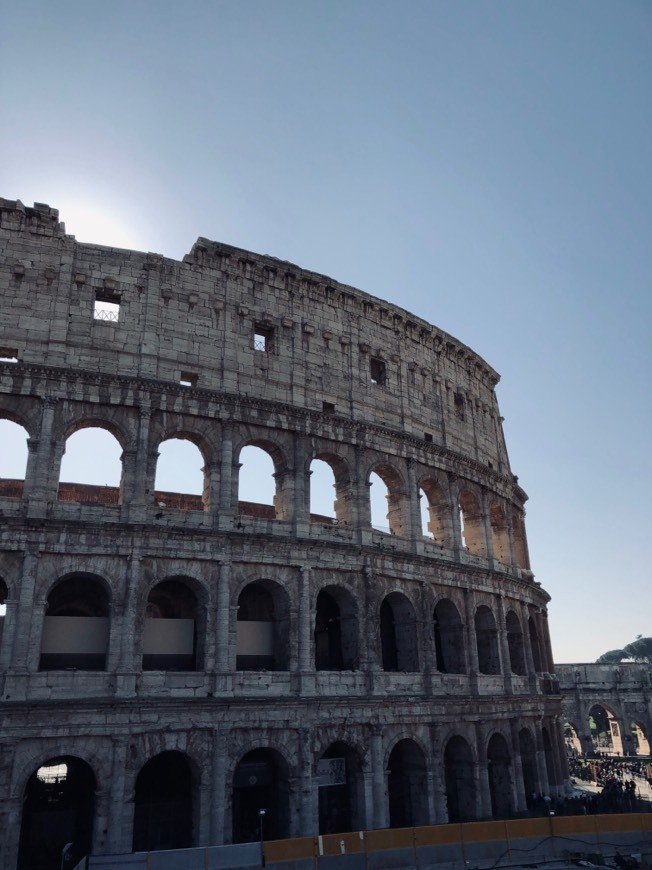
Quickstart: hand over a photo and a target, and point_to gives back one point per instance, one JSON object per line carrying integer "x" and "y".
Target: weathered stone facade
{"x": 422, "y": 660}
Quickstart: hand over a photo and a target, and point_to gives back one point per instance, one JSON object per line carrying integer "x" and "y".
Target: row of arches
{"x": 604, "y": 733}
{"x": 81, "y": 630}
{"x": 330, "y": 485}
{"x": 493, "y": 778}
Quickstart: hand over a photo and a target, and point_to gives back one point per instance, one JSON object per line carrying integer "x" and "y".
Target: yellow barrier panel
{"x": 521, "y": 828}
{"x": 564, "y": 825}
{"x": 390, "y": 838}
{"x": 480, "y": 832}
{"x": 433, "y": 835}
{"x": 626, "y": 823}
{"x": 290, "y": 850}
{"x": 350, "y": 842}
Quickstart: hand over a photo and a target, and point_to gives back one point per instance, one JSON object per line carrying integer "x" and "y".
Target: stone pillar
{"x": 545, "y": 642}
{"x": 486, "y": 522}
{"x": 471, "y": 640}
{"x": 131, "y": 645}
{"x": 222, "y": 628}
{"x": 361, "y": 513}
{"x": 370, "y": 629}
{"x": 26, "y": 612}
{"x": 228, "y": 495}
{"x": 541, "y": 761}
{"x": 8, "y": 635}
{"x": 309, "y": 793}
{"x": 43, "y": 463}
{"x": 380, "y": 817}
{"x": 301, "y": 506}
{"x": 415, "y": 526}
{"x": 210, "y": 630}
{"x": 513, "y": 561}
{"x": 211, "y": 492}
{"x": 506, "y": 664}
{"x": 438, "y": 780}
{"x": 305, "y": 622}
{"x": 455, "y": 514}
{"x": 520, "y": 798}
{"x": 121, "y": 805}
{"x": 483, "y": 789}
{"x": 218, "y": 788}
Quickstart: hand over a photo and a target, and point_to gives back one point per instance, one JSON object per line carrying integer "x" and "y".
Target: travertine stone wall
{"x": 444, "y": 638}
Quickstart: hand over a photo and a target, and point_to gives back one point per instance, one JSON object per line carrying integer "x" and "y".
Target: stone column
{"x": 361, "y": 513}
{"x": 455, "y": 514}
{"x": 8, "y": 634}
{"x": 309, "y": 795}
{"x": 486, "y": 522}
{"x": 228, "y": 498}
{"x": 520, "y": 798}
{"x": 43, "y": 463}
{"x": 471, "y": 639}
{"x": 506, "y": 664}
{"x": 131, "y": 645}
{"x": 378, "y": 779}
{"x": 26, "y": 612}
{"x": 483, "y": 789}
{"x": 541, "y": 761}
{"x": 415, "y": 528}
{"x": 121, "y": 806}
{"x": 305, "y": 621}
{"x": 211, "y": 491}
{"x": 218, "y": 788}
{"x": 301, "y": 482}
{"x": 222, "y": 628}
{"x": 438, "y": 779}
{"x": 510, "y": 537}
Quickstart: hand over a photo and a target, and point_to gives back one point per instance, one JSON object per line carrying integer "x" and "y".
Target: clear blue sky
{"x": 487, "y": 165}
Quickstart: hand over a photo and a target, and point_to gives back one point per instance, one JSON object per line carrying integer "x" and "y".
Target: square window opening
{"x": 377, "y": 370}
{"x": 328, "y": 407}
{"x": 459, "y": 405}
{"x": 263, "y": 338}
{"x": 427, "y": 437}
{"x": 107, "y": 307}
{"x": 188, "y": 379}
{"x": 8, "y": 354}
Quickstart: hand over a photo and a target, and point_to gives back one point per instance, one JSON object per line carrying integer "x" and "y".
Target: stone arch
{"x": 398, "y": 634}
{"x": 436, "y": 512}
{"x": 397, "y": 520}
{"x": 281, "y": 507}
{"x": 515, "y": 643}
{"x": 173, "y": 627}
{"x": 639, "y": 739}
{"x": 450, "y": 653}
{"x": 471, "y": 523}
{"x": 337, "y": 631}
{"x": 101, "y": 482}
{"x": 486, "y": 633}
{"x": 605, "y": 730}
{"x": 499, "y": 764}
{"x": 191, "y": 451}
{"x": 572, "y": 739}
{"x": 499, "y": 533}
{"x": 58, "y": 809}
{"x": 341, "y": 789}
{"x": 261, "y": 781}
{"x": 76, "y": 624}
{"x": 459, "y": 778}
{"x": 528, "y": 753}
{"x": 263, "y": 627}
{"x": 14, "y": 437}
{"x": 342, "y": 505}
{"x": 165, "y": 793}
{"x": 407, "y": 785}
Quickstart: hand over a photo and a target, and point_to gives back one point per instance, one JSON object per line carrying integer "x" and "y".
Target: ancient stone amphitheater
{"x": 174, "y": 663}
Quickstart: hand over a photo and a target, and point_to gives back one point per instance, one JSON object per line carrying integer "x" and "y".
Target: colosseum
{"x": 172, "y": 663}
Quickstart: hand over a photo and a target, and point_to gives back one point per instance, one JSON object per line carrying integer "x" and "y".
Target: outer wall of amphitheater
{"x": 173, "y": 665}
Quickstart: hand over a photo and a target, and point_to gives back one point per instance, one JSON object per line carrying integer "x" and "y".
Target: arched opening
{"x": 13, "y": 458}
{"x": 386, "y": 500}
{"x": 500, "y": 783}
{"x": 323, "y": 488}
{"x": 170, "y": 628}
{"x": 499, "y": 534}
{"x": 487, "y": 641}
{"x": 528, "y": 752}
{"x": 91, "y": 467}
{"x": 572, "y": 739}
{"x": 336, "y": 631}
{"x": 262, "y": 628}
{"x": 449, "y": 639}
{"x": 261, "y": 782}
{"x": 515, "y": 643}
{"x": 520, "y": 546}
{"x": 471, "y": 524}
{"x": 180, "y": 481}
{"x": 605, "y": 731}
{"x": 76, "y": 625}
{"x": 258, "y": 491}
{"x": 58, "y": 809}
{"x": 407, "y": 786}
{"x": 163, "y": 804}
{"x": 639, "y": 742}
{"x": 460, "y": 785}
{"x": 398, "y": 634}
{"x": 534, "y": 644}
{"x": 435, "y": 513}
{"x": 339, "y": 778}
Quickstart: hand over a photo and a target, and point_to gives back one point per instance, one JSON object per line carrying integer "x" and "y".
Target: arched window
{"x": 461, "y": 790}
{"x": 58, "y": 811}
{"x": 180, "y": 475}
{"x": 487, "y": 641}
{"x": 261, "y": 782}
{"x": 163, "y": 804}
{"x": 257, "y": 488}
{"x": 91, "y": 468}
{"x": 472, "y": 526}
{"x": 435, "y": 513}
{"x": 407, "y": 786}
{"x": 76, "y": 625}
{"x": 398, "y": 634}
{"x": 170, "y": 628}
{"x": 341, "y": 795}
{"x": 13, "y": 458}
{"x": 322, "y": 492}
{"x": 336, "y": 631}
{"x": 515, "y": 643}
{"x": 605, "y": 732}
{"x": 499, "y": 534}
{"x": 262, "y": 628}
{"x": 386, "y": 500}
{"x": 639, "y": 741}
{"x": 449, "y": 639}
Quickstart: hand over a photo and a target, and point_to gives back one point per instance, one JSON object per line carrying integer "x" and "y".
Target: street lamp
{"x": 261, "y": 819}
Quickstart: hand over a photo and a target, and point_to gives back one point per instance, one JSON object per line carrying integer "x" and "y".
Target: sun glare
{"x": 98, "y": 226}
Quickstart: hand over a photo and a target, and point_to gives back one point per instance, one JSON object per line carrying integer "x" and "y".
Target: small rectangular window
{"x": 107, "y": 307}
{"x": 378, "y": 370}
{"x": 427, "y": 437}
{"x": 188, "y": 379}
{"x": 8, "y": 355}
{"x": 328, "y": 407}
{"x": 263, "y": 338}
{"x": 459, "y": 405}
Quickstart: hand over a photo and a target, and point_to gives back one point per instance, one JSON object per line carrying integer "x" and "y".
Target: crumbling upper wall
{"x": 328, "y": 346}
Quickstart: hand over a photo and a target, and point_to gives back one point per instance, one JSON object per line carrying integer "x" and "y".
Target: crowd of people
{"x": 620, "y": 783}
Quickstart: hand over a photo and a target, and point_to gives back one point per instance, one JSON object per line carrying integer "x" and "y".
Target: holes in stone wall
{"x": 169, "y": 636}
{"x": 106, "y": 306}
{"x": 76, "y": 625}
{"x": 377, "y": 371}
{"x": 263, "y": 338}
{"x": 92, "y": 459}
{"x": 257, "y": 484}
{"x": 179, "y": 469}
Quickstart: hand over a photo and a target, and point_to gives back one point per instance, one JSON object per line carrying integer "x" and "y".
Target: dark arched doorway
{"x": 340, "y": 790}
{"x": 57, "y": 810}
{"x": 261, "y": 782}
{"x": 500, "y": 782}
{"x": 460, "y": 784}
{"x": 407, "y": 786}
{"x": 163, "y": 804}
{"x": 449, "y": 638}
